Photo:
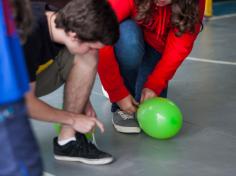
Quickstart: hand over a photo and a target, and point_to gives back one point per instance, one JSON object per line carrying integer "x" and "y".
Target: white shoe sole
{"x": 123, "y": 129}
{"x": 85, "y": 160}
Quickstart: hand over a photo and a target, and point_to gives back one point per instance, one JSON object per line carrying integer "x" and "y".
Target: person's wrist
{"x": 68, "y": 118}
{"x": 71, "y": 120}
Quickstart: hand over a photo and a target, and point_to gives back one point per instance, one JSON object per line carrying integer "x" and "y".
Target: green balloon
{"x": 57, "y": 127}
{"x": 159, "y": 118}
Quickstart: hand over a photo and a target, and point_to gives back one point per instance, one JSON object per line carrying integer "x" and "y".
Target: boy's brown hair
{"x": 91, "y": 20}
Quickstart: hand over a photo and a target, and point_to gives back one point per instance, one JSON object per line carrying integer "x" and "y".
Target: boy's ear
{"x": 72, "y": 36}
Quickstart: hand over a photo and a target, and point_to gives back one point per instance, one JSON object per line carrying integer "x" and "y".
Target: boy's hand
{"x": 89, "y": 110}
{"x": 147, "y": 94}
{"x": 85, "y": 124}
{"x": 128, "y": 104}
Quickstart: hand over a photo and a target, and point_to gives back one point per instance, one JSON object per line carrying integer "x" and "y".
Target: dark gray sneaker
{"x": 125, "y": 123}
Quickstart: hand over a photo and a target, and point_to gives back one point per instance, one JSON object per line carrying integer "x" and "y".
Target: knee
{"x": 130, "y": 33}
{"x": 129, "y": 49}
{"x": 88, "y": 62}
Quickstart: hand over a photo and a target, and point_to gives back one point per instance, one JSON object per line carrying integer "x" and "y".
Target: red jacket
{"x": 160, "y": 36}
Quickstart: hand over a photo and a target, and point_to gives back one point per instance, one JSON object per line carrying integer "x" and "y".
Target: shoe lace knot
{"x": 124, "y": 115}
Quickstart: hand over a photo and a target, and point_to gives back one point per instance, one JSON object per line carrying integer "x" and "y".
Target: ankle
{"x": 66, "y": 133}
{"x": 65, "y": 141}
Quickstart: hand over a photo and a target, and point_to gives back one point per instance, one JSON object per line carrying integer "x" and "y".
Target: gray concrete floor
{"x": 206, "y": 146}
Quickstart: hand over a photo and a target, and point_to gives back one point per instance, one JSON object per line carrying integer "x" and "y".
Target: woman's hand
{"x": 128, "y": 104}
{"x": 147, "y": 94}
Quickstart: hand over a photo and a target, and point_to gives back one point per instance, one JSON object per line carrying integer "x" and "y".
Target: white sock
{"x": 65, "y": 141}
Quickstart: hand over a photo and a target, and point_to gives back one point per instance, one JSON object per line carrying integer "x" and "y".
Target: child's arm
{"x": 110, "y": 75}
{"x": 42, "y": 111}
{"x": 176, "y": 50}
{"x": 108, "y": 67}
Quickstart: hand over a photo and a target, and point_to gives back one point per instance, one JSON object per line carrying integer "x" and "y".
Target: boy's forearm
{"x": 44, "y": 112}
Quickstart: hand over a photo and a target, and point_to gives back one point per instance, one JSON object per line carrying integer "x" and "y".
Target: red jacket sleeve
{"x": 108, "y": 70}
{"x": 108, "y": 67}
{"x": 176, "y": 50}
{"x": 123, "y": 9}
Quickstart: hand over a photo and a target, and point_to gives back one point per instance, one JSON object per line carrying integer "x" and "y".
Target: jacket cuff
{"x": 156, "y": 88}
{"x": 118, "y": 94}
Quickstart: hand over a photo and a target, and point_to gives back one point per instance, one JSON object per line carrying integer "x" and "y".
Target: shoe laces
{"x": 124, "y": 115}
{"x": 87, "y": 145}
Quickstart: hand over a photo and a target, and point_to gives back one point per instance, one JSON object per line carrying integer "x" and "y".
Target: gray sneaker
{"x": 125, "y": 123}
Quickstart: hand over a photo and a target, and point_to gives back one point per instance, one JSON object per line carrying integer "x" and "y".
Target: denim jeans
{"x": 136, "y": 59}
{"x": 19, "y": 152}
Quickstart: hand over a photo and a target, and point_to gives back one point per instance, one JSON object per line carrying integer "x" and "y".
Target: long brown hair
{"x": 184, "y": 17}
{"x": 22, "y": 15}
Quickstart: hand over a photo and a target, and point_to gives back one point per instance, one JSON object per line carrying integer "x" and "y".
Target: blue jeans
{"x": 136, "y": 59}
{"x": 19, "y": 152}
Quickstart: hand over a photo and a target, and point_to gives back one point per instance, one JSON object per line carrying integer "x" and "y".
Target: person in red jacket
{"x": 155, "y": 38}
